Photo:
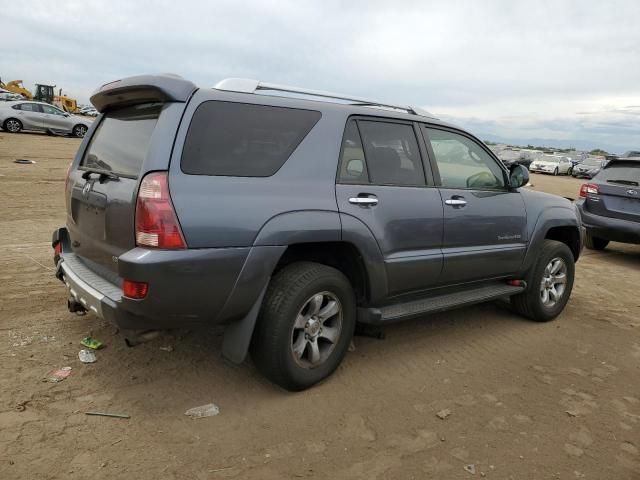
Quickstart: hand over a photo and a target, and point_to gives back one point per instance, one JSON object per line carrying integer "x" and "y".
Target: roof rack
{"x": 247, "y": 85}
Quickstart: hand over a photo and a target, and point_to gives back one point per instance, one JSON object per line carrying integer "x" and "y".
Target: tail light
{"x": 156, "y": 222}
{"x": 589, "y": 189}
{"x": 133, "y": 289}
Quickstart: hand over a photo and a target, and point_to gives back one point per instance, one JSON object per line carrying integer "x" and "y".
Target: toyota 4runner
{"x": 288, "y": 215}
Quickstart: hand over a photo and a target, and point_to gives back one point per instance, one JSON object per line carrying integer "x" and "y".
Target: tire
{"x": 595, "y": 243}
{"x": 79, "y": 131}
{"x": 12, "y": 125}
{"x": 288, "y": 304}
{"x": 570, "y": 171}
{"x": 530, "y": 303}
{"x": 555, "y": 172}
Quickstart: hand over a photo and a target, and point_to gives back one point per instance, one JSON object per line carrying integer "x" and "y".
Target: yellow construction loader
{"x": 15, "y": 86}
{"x": 44, "y": 93}
{"x": 65, "y": 102}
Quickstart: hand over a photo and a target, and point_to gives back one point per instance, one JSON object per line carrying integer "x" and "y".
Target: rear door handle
{"x": 456, "y": 202}
{"x": 364, "y": 201}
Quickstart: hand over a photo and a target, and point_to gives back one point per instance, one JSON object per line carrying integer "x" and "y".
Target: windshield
{"x": 592, "y": 162}
{"x": 121, "y": 141}
{"x": 549, "y": 159}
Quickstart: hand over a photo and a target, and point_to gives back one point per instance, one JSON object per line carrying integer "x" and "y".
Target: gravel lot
{"x": 527, "y": 400}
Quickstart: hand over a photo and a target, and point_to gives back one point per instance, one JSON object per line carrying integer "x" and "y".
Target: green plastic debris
{"x": 92, "y": 343}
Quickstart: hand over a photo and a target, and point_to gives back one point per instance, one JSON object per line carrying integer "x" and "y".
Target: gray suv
{"x": 289, "y": 215}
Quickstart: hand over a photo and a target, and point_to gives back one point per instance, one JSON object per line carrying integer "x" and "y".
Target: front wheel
{"x": 550, "y": 281}
{"x": 306, "y": 323}
{"x": 555, "y": 172}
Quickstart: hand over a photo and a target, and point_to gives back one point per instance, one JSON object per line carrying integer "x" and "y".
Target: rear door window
{"x": 30, "y": 107}
{"x": 392, "y": 154}
{"x": 243, "y": 140}
{"x": 120, "y": 143}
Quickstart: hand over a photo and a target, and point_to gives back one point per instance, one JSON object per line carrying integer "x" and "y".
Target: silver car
{"x": 40, "y": 116}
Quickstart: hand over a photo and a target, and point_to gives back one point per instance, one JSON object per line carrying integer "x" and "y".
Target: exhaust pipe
{"x": 76, "y": 307}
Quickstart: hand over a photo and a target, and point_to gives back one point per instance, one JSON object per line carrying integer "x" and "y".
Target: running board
{"x": 436, "y": 303}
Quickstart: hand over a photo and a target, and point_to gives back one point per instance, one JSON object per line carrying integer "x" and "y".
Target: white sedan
{"x": 551, "y": 164}
{"x": 40, "y": 116}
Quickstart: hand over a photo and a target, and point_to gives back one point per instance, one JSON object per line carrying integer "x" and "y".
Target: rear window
{"x": 624, "y": 173}
{"x": 243, "y": 140}
{"x": 120, "y": 143}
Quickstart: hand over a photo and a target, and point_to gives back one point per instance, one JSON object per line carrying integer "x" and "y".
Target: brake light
{"x": 156, "y": 222}
{"x": 133, "y": 289}
{"x": 57, "y": 249}
{"x": 589, "y": 188}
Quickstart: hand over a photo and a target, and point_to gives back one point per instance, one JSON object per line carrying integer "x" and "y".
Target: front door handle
{"x": 364, "y": 201}
{"x": 456, "y": 202}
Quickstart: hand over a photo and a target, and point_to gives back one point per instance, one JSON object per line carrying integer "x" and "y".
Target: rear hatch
{"x": 619, "y": 191}
{"x": 134, "y": 136}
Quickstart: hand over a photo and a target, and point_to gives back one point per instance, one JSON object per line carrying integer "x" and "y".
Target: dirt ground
{"x": 527, "y": 401}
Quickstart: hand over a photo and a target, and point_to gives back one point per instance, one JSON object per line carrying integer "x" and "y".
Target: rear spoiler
{"x": 142, "y": 89}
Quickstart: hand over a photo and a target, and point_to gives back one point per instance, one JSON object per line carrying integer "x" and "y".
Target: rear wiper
{"x": 103, "y": 175}
{"x": 625, "y": 182}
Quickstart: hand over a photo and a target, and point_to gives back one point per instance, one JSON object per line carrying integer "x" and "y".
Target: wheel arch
{"x": 12, "y": 118}
{"x": 554, "y": 223}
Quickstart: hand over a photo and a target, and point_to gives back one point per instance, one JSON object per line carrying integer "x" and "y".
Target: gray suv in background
{"x": 288, "y": 215}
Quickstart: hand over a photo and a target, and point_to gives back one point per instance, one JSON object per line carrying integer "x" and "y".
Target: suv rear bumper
{"x": 613, "y": 229}
{"x": 187, "y": 288}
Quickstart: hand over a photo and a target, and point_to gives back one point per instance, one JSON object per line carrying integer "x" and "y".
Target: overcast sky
{"x": 563, "y": 71}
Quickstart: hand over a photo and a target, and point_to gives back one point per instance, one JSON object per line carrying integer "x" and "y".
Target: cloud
{"x": 514, "y": 67}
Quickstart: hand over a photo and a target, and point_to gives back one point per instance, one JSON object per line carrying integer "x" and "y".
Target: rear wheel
{"x": 550, "y": 281}
{"x": 595, "y": 243}
{"x": 12, "y": 125}
{"x": 79, "y": 131}
{"x": 305, "y": 325}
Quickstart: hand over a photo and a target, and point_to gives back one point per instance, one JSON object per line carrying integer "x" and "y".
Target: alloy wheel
{"x": 316, "y": 330}
{"x": 553, "y": 283}
{"x": 13, "y": 126}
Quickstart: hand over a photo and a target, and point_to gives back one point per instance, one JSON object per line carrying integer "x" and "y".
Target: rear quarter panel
{"x": 218, "y": 211}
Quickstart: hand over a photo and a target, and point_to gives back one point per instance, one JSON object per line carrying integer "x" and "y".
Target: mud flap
{"x": 237, "y": 335}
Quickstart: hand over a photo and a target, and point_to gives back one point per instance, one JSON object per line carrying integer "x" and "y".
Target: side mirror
{"x": 518, "y": 176}
{"x": 67, "y": 114}
{"x": 355, "y": 167}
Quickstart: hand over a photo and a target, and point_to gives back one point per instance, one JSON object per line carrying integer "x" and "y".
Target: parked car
{"x": 40, "y": 116}
{"x": 514, "y": 157}
{"x": 551, "y": 164}
{"x": 89, "y": 111}
{"x": 290, "y": 217}
{"x": 631, "y": 154}
{"x": 589, "y": 168}
{"x": 610, "y": 204}
{"x": 7, "y": 96}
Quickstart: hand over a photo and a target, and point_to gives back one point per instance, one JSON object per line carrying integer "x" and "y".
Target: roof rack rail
{"x": 247, "y": 85}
